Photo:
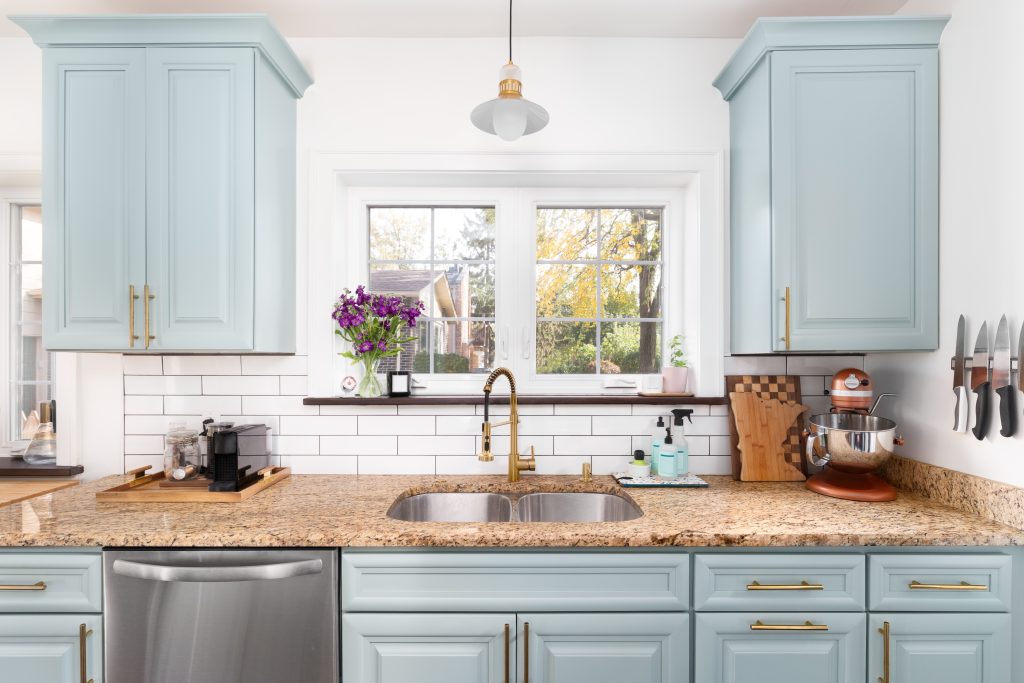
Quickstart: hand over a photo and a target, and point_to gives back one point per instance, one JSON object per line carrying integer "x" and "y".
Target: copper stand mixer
{"x": 851, "y": 442}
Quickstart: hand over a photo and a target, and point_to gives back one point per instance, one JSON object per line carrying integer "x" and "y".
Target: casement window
{"x": 569, "y": 288}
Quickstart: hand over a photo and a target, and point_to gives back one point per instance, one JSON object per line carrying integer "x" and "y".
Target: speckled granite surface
{"x": 975, "y": 495}
{"x": 326, "y": 510}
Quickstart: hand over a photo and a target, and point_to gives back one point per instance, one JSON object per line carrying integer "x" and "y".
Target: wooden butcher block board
{"x": 17, "y": 491}
{"x": 765, "y": 415}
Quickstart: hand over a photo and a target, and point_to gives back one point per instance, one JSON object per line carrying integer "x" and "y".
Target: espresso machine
{"x": 236, "y": 454}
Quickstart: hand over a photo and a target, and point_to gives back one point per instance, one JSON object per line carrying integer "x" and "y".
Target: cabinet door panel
{"x": 942, "y": 648}
{"x": 855, "y": 181}
{"x": 200, "y": 197}
{"x": 605, "y": 648}
{"x": 428, "y": 648}
{"x": 727, "y": 650}
{"x": 94, "y": 194}
{"x": 46, "y": 649}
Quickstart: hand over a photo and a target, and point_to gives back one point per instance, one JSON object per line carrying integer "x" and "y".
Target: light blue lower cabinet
{"x": 428, "y": 648}
{"x": 48, "y": 648}
{"x": 940, "y": 648}
{"x": 604, "y": 648}
{"x": 728, "y": 650}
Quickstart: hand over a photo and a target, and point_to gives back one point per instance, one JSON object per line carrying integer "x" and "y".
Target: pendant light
{"x": 510, "y": 115}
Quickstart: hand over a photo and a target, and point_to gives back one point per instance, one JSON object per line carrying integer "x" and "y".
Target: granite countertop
{"x": 350, "y": 511}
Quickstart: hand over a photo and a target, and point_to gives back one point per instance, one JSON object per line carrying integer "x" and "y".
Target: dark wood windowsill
{"x": 530, "y": 399}
{"x": 16, "y": 467}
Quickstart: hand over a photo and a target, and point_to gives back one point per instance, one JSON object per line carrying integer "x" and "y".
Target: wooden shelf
{"x": 575, "y": 399}
{"x": 16, "y": 467}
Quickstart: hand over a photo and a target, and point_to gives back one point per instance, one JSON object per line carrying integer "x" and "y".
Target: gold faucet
{"x": 516, "y": 462}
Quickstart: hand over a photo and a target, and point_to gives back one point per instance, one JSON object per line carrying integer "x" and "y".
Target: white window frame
{"x": 690, "y": 186}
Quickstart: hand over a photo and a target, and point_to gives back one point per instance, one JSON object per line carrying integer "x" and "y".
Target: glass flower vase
{"x": 369, "y": 385}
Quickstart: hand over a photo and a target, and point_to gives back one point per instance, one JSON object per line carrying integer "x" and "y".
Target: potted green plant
{"x": 675, "y": 375}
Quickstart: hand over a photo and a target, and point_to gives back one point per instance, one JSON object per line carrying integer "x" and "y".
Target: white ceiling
{"x": 436, "y": 18}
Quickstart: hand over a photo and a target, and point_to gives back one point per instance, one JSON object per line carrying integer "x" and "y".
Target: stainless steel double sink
{"x": 530, "y": 507}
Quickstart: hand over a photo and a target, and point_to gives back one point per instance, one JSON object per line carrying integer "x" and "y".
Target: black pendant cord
{"x": 509, "y": 31}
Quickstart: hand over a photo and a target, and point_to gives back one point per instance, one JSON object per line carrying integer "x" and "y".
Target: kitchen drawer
{"x": 50, "y": 582}
{"x": 495, "y": 582}
{"x": 798, "y": 583}
{"x": 940, "y": 583}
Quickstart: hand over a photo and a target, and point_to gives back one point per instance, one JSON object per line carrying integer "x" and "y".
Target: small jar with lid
{"x": 181, "y": 453}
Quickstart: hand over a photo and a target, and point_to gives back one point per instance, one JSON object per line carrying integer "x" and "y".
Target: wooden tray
{"x": 145, "y": 488}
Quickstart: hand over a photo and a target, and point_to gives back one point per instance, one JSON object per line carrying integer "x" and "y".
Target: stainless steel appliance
{"x": 221, "y": 616}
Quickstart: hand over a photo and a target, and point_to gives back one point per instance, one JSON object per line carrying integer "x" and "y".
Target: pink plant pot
{"x": 673, "y": 379}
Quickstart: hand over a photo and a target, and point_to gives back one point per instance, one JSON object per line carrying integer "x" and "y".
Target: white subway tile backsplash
{"x": 470, "y": 464}
{"x": 141, "y": 365}
{"x": 321, "y": 425}
{"x": 449, "y": 424}
{"x": 812, "y": 385}
{"x": 593, "y": 445}
{"x": 245, "y": 385}
{"x": 708, "y": 426}
{"x": 574, "y": 409}
{"x": 501, "y": 443}
{"x": 562, "y": 464}
{"x": 410, "y": 424}
{"x": 206, "y": 406}
{"x": 556, "y": 424}
{"x": 202, "y": 365}
{"x": 143, "y": 405}
{"x": 437, "y": 410}
{"x": 711, "y": 464}
{"x": 436, "y": 445}
{"x": 633, "y": 424}
{"x": 274, "y": 365}
{"x": 158, "y": 424}
{"x": 296, "y": 445}
{"x": 755, "y": 365}
{"x": 294, "y": 385}
{"x": 357, "y": 410}
{"x": 276, "y": 405}
{"x": 718, "y": 410}
{"x": 609, "y": 464}
{"x": 530, "y": 409}
{"x": 359, "y": 445}
{"x": 822, "y": 365}
{"x": 162, "y": 384}
{"x": 396, "y": 464}
{"x": 143, "y": 444}
{"x": 720, "y": 445}
{"x": 272, "y": 421}
{"x": 321, "y": 464}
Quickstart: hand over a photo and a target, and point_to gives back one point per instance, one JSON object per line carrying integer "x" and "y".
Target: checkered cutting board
{"x": 785, "y": 388}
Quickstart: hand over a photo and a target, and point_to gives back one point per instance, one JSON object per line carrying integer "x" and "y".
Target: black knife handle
{"x": 981, "y": 411}
{"x": 1007, "y": 410}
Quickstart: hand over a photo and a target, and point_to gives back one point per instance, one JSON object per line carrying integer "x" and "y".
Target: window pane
{"x": 31, "y": 233}
{"x": 399, "y": 233}
{"x": 566, "y": 291}
{"x": 630, "y": 348}
{"x": 566, "y": 234}
{"x": 31, "y": 304}
{"x": 566, "y": 348}
{"x": 630, "y": 291}
{"x": 464, "y": 233}
{"x": 631, "y": 234}
{"x": 408, "y": 280}
{"x": 463, "y": 346}
{"x": 470, "y": 288}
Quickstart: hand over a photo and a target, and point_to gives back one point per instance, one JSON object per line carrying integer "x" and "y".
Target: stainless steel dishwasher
{"x": 221, "y": 616}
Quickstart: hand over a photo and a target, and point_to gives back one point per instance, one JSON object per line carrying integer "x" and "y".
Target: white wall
{"x": 982, "y": 230}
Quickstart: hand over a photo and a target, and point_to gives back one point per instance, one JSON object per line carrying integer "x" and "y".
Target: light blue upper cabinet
{"x": 834, "y": 185}
{"x": 170, "y": 174}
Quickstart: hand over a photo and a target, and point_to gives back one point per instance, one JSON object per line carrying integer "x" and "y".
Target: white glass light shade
{"x": 510, "y": 115}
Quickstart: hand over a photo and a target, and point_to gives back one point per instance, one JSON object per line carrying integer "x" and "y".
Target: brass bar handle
{"x": 526, "y": 652}
{"x": 83, "y": 633}
{"x": 884, "y": 678}
{"x": 787, "y": 299}
{"x": 149, "y": 296}
{"x": 962, "y": 586}
{"x": 806, "y": 626}
{"x": 506, "y": 652}
{"x": 37, "y": 586}
{"x": 132, "y": 337}
{"x": 802, "y": 586}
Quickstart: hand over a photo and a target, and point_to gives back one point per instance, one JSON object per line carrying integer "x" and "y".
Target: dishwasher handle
{"x": 251, "y": 572}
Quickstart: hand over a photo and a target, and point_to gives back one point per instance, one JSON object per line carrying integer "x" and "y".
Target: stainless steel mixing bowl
{"x": 851, "y": 442}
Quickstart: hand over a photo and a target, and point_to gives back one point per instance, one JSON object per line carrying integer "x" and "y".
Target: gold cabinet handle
{"x": 37, "y": 586}
{"x": 132, "y": 337}
{"x": 962, "y": 586}
{"x": 787, "y": 300}
{"x": 526, "y": 652}
{"x": 806, "y": 626}
{"x": 884, "y": 678}
{"x": 83, "y": 633}
{"x": 802, "y": 586}
{"x": 506, "y": 652}
{"x": 149, "y": 296}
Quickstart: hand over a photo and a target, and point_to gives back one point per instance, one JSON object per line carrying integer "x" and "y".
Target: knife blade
{"x": 1006, "y": 392}
{"x": 981, "y": 382}
{"x": 960, "y": 415}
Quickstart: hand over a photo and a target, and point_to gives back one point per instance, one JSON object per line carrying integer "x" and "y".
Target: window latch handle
{"x": 503, "y": 343}
{"x": 527, "y": 340}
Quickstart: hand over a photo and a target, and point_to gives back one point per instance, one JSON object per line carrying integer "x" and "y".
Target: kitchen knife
{"x": 959, "y": 386}
{"x": 980, "y": 382}
{"x": 1001, "y": 380}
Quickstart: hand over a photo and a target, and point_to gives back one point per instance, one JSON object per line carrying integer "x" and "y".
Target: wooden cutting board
{"x": 17, "y": 491}
{"x": 785, "y": 389}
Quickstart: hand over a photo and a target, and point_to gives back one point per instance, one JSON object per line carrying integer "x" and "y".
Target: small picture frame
{"x": 399, "y": 383}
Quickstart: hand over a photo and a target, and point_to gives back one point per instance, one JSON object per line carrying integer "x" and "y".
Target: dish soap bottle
{"x": 667, "y": 457}
{"x": 656, "y": 443}
{"x": 679, "y": 438}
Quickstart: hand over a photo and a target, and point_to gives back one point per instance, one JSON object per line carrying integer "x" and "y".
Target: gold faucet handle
{"x": 587, "y": 473}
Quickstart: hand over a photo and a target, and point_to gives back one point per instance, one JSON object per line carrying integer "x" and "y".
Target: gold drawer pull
{"x": 806, "y": 626}
{"x": 884, "y": 678}
{"x": 83, "y": 633}
{"x": 962, "y": 586}
{"x": 802, "y": 586}
{"x": 37, "y": 586}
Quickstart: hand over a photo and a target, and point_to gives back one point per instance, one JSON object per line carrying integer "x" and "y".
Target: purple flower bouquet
{"x": 372, "y": 324}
